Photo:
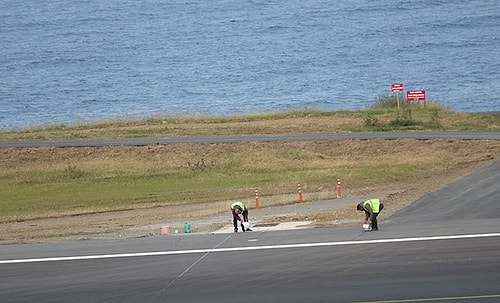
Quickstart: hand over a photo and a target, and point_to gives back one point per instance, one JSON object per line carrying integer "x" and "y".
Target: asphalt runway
{"x": 444, "y": 247}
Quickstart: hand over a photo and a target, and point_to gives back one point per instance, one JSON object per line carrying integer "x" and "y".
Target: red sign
{"x": 397, "y": 87}
{"x": 415, "y": 95}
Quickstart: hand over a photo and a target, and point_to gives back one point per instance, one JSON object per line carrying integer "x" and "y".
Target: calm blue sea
{"x": 80, "y": 61}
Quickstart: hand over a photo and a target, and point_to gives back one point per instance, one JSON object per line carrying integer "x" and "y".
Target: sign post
{"x": 397, "y": 88}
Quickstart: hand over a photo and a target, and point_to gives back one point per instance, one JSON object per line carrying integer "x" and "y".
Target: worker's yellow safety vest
{"x": 374, "y": 203}
{"x": 240, "y": 204}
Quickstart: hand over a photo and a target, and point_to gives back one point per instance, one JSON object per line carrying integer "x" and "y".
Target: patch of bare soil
{"x": 146, "y": 222}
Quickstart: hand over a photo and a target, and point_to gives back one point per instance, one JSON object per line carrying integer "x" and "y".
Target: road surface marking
{"x": 238, "y": 249}
{"x": 436, "y": 299}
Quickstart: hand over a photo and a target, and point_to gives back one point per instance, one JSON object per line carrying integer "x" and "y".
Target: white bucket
{"x": 367, "y": 227}
{"x": 246, "y": 225}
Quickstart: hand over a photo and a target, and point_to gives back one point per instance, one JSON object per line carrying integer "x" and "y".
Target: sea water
{"x": 67, "y": 62}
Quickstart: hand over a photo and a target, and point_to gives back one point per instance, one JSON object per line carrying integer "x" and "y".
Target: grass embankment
{"x": 45, "y": 182}
{"x": 382, "y": 116}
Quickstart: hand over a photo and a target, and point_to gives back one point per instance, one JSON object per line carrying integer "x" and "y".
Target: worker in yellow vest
{"x": 237, "y": 209}
{"x": 372, "y": 208}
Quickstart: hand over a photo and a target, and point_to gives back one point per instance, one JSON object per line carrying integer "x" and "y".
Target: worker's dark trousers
{"x": 375, "y": 215}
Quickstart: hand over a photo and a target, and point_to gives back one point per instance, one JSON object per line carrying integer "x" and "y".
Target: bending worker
{"x": 371, "y": 208}
{"x": 237, "y": 209}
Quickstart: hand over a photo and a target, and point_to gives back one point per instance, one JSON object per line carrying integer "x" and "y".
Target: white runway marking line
{"x": 436, "y": 299}
{"x": 233, "y": 249}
